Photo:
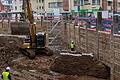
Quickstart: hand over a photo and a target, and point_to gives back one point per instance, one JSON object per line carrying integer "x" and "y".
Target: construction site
{"x": 62, "y": 64}
{"x": 40, "y": 49}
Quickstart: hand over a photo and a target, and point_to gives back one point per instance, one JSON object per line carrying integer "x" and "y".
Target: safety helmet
{"x": 34, "y": 23}
{"x": 72, "y": 41}
{"x": 8, "y": 68}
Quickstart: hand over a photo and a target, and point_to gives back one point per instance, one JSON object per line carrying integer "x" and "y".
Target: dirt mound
{"x": 9, "y": 50}
{"x": 84, "y": 65}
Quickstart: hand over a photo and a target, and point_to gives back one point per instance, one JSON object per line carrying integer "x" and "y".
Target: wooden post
{"x": 16, "y": 17}
{"x": 68, "y": 33}
{"x": 98, "y": 25}
{"x": 79, "y": 37}
{"x": 86, "y": 30}
{"x": 112, "y": 50}
{"x": 2, "y": 22}
{"x": 115, "y": 24}
{"x": 74, "y": 34}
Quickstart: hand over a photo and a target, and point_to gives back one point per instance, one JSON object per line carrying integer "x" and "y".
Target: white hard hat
{"x": 7, "y": 68}
{"x": 72, "y": 41}
{"x": 34, "y": 23}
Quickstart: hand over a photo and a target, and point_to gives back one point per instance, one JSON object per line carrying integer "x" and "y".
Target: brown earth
{"x": 65, "y": 67}
{"x": 22, "y": 68}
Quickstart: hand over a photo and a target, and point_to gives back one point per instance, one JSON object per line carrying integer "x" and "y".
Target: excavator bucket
{"x": 20, "y": 28}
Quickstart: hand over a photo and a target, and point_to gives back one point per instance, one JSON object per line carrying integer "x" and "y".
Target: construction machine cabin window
{"x": 40, "y": 39}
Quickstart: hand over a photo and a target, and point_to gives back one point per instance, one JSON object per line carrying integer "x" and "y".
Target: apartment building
{"x": 1, "y": 7}
{"x": 113, "y": 4}
{"x": 38, "y": 6}
{"x": 17, "y": 5}
{"x": 50, "y": 7}
{"x": 53, "y": 6}
{"x": 84, "y": 5}
{"x": 6, "y": 5}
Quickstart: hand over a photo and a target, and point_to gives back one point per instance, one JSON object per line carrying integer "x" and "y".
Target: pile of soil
{"x": 9, "y": 50}
{"x": 82, "y": 65}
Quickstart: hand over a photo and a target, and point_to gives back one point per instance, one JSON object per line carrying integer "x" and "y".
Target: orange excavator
{"x": 35, "y": 42}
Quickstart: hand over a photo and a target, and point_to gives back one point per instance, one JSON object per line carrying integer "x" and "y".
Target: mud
{"x": 43, "y": 67}
{"x": 82, "y": 65}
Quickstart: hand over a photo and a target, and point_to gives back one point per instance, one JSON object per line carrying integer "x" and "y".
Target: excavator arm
{"x": 38, "y": 41}
{"x": 27, "y": 10}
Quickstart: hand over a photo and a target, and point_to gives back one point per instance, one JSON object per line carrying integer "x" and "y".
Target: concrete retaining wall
{"x": 105, "y": 47}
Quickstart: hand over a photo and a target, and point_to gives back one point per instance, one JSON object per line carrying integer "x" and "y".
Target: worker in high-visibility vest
{"x": 6, "y": 74}
{"x": 72, "y": 46}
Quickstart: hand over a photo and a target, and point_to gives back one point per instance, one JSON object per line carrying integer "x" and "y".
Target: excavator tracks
{"x": 31, "y": 53}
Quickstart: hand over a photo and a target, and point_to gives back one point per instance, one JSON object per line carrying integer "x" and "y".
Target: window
{"x": 93, "y": 2}
{"x": 60, "y": 4}
{"x": 42, "y": 7}
{"x": 15, "y": 2}
{"x": 36, "y": 1}
{"x": 20, "y": 7}
{"x": 118, "y": 5}
{"x": 39, "y": 7}
{"x": 81, "y": 2}
{"x": 39, "y": 1}
{"x": 55, "y": 4}
{"x": 86, "y": 2}
{"x": 109, "y": 3}
{"x": 15, "y": 7}
{"x": 75, "y": 2}
{"x": 98, "y": 2}
{"x": 42, "y": 1}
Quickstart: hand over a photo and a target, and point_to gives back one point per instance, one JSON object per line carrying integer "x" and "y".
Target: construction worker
{"x": 72, "y": 46}
{"x": 6, "y": 74}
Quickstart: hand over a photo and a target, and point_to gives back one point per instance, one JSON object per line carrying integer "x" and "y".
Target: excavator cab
{"x": 41, "y": 40}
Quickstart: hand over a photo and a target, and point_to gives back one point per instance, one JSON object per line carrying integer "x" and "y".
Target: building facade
{"x": 17, "y": 5}
{"x": 6, "y": 5}
{"x": 38, "y": 6}
{"x": 1, "y": 7}
{"x": 85, "y": 6}
{"x": 53, "y": 6}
